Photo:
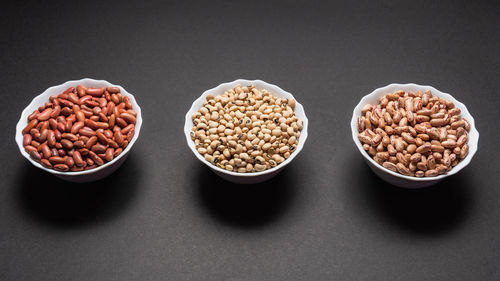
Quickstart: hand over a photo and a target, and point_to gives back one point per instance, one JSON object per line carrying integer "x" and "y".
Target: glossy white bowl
{"x": 396, "y": 178}
{"x": 246, "y": 178}
{"x": 87, "y": 175}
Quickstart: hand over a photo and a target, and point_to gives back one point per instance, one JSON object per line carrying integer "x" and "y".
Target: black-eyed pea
{"x": 284, "y": 149}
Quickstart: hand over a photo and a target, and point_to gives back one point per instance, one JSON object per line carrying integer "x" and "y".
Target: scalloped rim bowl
{"x": 87, "y": 175}
{"x": 246, "y": 178}
{"x": 398, "y": 179}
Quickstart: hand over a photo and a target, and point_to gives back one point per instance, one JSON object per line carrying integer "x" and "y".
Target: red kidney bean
{"x": 116, "y": 112}
{"x": 80, "y": 90}
{"x": 78, "y": 159}
{"x": 46, "y": 163}
{"x": 87, "y": 113}
{"x": 103, "y": 117}
{"x": 112, "y": 120}
{"x": 68, "y": 124}
{"x": 102, "y": 103}
{"x": 35, "y": 155}
{"x": 30, "y": 148}
{"x": 45, "y": 115}
{"x": 80, "y": 129}
{"x": 127, "y": 102}
{"x": 110, "y": 154}
{"x": 53, "y": 124}
{"x": 102, "y": 138}
{"x": 86, "y": 131}
{"x": 33, "y": 115}
{"x": 127, "y": 129}
{"x": 131, "y": 111}
{"x": 67, "y": 144}
{"x": 83, "y": 99}
{"x": 115, "y": 99}
{"x": 118, "y": 138}
{"x": 27, "y": 139}
{"x": 44, "y": 148}
{"x": 97, "y": 160}
{"x": 77, "y": 126}
{"x": 69, "y": 90}
{"x": 110, "y": 109}
{"x": 95, "y": 92}
{"x": 121, "y": 122}
{"x": 69, "y": 161}
{"x": 43, "y": 135}
{"x": 61, "y": 126}
{"x": 96, "y": 110}
{"x": 91, "y": 124}
{"x": 128, "y": 117}
{"x": 66, "y": 111}
{"x": 78, "y": 144}
{"x": 113, "y": 90}
{"x": 130, "y": 135}
{"x": 91, "y": 103}
{"x": 51, "y": 138}
{"x": 55, "y": 111}
{"x": 57, "y": 134}
{"x": 80, "y": 116}
{"x": 108, "y": 133}
{"x": 98, "y": 148}
{"x": 65, "y": 102}
{"x": 72, "y": 97}
{"x": 44, "y": 125}
{"x": 92, "y": 140}
{"x": 89, "y": 161}
{"x": 30, "y": 126}
{"x": 113, "y": 144}
{"x": 69, "y": 136}
{"x": 57, "y": 160}
{"x": 61, "y": 167}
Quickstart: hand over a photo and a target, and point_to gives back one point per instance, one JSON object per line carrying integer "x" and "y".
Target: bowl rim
{"x": 60, "y": 88}
{"x": 229, "y": 85}
{"x": 472, "y": 142}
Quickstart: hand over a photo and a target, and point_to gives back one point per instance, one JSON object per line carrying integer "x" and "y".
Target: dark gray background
{"x": 165, "y": 216}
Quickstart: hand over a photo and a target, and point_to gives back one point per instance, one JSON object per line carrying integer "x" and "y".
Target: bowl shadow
{"x": 61, "y": 204}
{"x": 434, "y": 210}
{"x": 250, "y": 206}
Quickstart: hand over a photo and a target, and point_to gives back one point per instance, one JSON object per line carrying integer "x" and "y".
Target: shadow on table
{"x": 63, "y": 204}
{"x": 246, "y": 206}
{"x": 429, "y": 211}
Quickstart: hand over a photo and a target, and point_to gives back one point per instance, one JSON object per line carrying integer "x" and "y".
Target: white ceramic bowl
{"x": 88, "y": 175}
{"x": 396, "y": 178}
{"x": 246, "y": 178}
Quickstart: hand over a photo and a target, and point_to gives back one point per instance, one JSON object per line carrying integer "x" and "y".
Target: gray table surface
{"x": 165, "y": 216}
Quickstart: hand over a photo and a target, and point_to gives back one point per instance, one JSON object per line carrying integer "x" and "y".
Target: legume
{"x": 414, "y": 134}
{"x": 79, "y": 128}
{"x": 246, "y": 129}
